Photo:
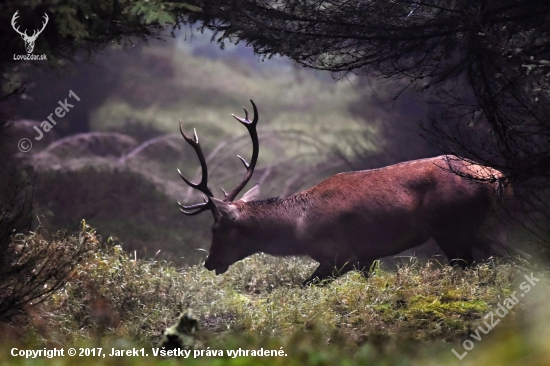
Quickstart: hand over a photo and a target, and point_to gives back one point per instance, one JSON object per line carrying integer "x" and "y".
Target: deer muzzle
{"x": 215, "y": 265}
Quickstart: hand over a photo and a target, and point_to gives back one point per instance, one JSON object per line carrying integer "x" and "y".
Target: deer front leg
{"x": 323, "y": 272}
{"x": 327, "y": 272}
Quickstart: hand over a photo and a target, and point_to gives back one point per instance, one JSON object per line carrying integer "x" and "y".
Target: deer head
{"x": 228, "y": 243}
{"x": 29, "y": 40}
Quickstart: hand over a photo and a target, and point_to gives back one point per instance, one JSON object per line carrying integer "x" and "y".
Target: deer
{"x": 29, "y": 40}
{"x": 354, "y": 218}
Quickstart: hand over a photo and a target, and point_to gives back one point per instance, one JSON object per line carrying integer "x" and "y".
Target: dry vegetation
{"x": 415, "y": 313}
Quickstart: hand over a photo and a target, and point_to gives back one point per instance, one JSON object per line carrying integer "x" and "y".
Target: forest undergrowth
{"x": 417, "y": 313}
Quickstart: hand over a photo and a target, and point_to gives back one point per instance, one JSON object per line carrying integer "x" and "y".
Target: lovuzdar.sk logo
{"x": 29, "y": 40}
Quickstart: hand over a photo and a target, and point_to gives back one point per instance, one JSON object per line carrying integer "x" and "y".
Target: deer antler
{"x": 251, "y": 127}
{"x": 35, "y": 33}
{"x": 202, "y": 185}
{"x": 13, "y": 19}
{"x": 208, "y": 204}
{"x": 44, "y": 23}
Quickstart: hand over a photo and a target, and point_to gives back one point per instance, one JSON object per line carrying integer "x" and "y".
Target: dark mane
{"x": 265, "y": 202}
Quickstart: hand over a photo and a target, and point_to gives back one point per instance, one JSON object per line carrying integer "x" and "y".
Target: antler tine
{"x": 201, "y": 207}
{"x": 198, "y": 205}
{"x": 193, "y": 213}
{"x": 251, "y": 127}
{"x": 189, "y": 139}
{"x": 246, "y": 165}
{"x": 193, "y": 185}
{"x": 245, "y": 121}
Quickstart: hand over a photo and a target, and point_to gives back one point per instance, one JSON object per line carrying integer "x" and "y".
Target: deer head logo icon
{"x": 29, "y": 40}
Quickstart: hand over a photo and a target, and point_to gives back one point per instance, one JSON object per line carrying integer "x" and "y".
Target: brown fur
{"x": 351, "y": 219}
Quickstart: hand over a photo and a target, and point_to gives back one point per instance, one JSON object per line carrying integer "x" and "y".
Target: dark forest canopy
{"x": 484, "y": 65}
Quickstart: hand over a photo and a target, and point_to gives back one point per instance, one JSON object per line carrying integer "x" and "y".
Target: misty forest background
{"x": 95, "y": 252}
{"x": 112, "y": 159}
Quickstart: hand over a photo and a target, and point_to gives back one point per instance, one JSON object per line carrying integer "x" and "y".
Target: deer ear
{"x": 225, "y": 209}
{"x": 252, "y": 194}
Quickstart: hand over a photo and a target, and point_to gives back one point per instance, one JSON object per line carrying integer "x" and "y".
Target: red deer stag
{"x": 351, "y": 219}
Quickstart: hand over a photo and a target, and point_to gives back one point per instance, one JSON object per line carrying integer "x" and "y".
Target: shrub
{"x": 38, "y": 265}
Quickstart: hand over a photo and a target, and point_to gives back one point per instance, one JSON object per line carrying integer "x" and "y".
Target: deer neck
{"x": 275, "y": 224}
